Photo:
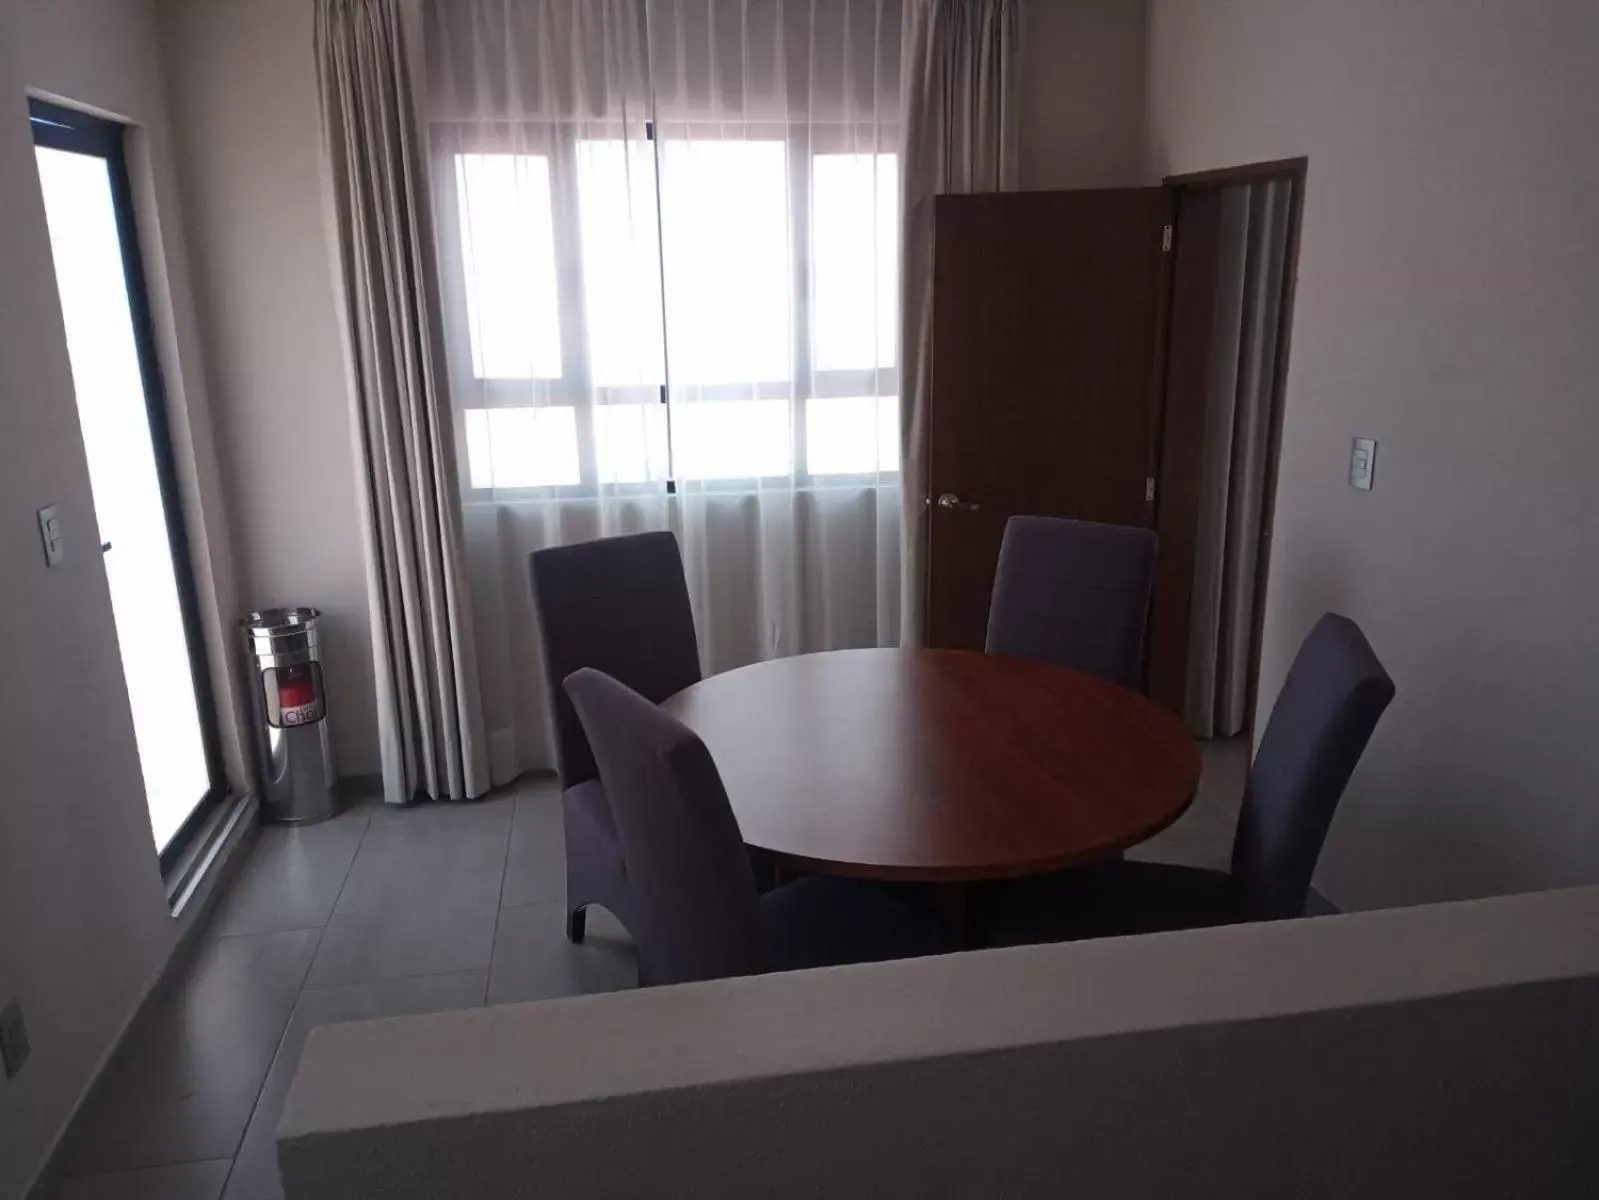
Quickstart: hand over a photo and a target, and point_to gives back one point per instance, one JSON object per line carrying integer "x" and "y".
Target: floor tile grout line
{"x": 209, "y": 935}
{"x": 349, "y": 867}
{"x": 187, "y": 1162}
{"x": 283, "y": 1038}
{"x": 499, "y": 905}
{"x": 244, "y": 933}
{"x": 299, "y": 993}
{"x": 381, "y": 980}
{"x": 533, "y": 904}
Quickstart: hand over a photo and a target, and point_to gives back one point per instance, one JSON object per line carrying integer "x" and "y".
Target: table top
{"x": 938, "y": 765}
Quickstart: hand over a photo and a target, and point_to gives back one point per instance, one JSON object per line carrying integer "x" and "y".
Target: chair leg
{"x": 576, "y": 924}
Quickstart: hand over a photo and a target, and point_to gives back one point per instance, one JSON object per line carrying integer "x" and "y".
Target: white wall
{"x": 1295, "y": 1058}
{"x": 244, "y": 102}
{"x": 1447, "y": 303}
{"x": 86, "y": 927}
{"x": 1082, "y": 103}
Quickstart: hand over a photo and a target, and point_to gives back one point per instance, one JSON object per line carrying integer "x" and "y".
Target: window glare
{"x": 630, "y": 443}
{"x": 522, "y": 447}
{"x": 731, "y": 439}
{"x": 855, "y": 260}
{"x": 721, "y": 439}
{"x": 508, "y": 255}
{"x": 725, "y": 218}
{"x": 856, "y": 435}
{"x": 621, "y": 262}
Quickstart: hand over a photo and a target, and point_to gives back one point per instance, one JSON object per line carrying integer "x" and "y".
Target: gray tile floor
{"x": 381, "y": 912}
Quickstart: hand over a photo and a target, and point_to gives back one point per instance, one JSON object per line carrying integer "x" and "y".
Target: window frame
{"x": 558, "y": 140}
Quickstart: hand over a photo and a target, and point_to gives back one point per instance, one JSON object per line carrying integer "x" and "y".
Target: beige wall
{"x": 1447, "y": 302}
{"x": 86, "y": 926}
{"x": 1082, "y": 104}
{"x": 245, "y": 113}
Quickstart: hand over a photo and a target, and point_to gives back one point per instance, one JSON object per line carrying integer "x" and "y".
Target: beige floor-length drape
{"x": 430, "y": 723}
{"x": 960, "y": 75}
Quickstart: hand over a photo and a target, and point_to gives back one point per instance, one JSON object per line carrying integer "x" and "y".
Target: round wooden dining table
{"x": 943, "y": 766}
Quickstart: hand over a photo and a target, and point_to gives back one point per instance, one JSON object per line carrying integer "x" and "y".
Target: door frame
{"x": 58, "y": 127}
{"x": 1293, "y": 171}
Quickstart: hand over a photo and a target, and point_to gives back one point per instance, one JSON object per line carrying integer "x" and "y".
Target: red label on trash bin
{"x": 298, "y": 702}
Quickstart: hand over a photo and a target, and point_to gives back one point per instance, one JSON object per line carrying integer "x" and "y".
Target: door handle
{"x": 950, "y": 502}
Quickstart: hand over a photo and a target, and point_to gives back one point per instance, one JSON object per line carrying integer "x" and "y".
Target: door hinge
{"x": 1149, "y": 489}
{"x": 1165, "y": 239}
{"x": 649, "y": 131}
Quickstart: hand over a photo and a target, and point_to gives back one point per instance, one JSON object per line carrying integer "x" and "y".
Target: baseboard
{"x": 223, "y": 854}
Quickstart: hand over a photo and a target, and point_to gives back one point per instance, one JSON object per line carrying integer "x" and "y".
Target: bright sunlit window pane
{"x": 731, "y": 439}
{"x": 855, "y": 257}
{"x": 856, "y": 435}
{"x": 725, "y": 211}
{"x": 630, "y": 443}
{"x": 508, "y": 254}
{"x": 621, "y": 261}
{"x": 521, "y": 447}
{"x": 125, "y": 485}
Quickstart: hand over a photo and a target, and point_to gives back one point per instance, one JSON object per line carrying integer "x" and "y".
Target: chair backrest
{"x": 1074, "y": 593}
{"x": 1334, "y": 694}
{"x": 697, "y": 915}
{"x": 619, "y": 605}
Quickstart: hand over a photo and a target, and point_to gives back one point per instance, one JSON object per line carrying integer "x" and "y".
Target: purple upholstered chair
{"x": 694, "y": 912}
{"x": 1073, "y": 593}
{"x": 621, "y": 605}
{"x": 1334, "y": 695}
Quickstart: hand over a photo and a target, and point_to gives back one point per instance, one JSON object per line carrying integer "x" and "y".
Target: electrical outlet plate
{"x": 13, "y": 1039}
{"x": 1362, "y": 463}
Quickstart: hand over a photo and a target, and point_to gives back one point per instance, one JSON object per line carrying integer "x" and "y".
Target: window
{"x": 88, "y": 206}
{"x": 508, "y": 252}
{"x": 780, "y": 317}
{"x": 855, "y": 202}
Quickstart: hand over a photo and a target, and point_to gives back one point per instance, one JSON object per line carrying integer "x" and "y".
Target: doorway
{"x": 1233, "y": 276}
{"x": 1119, "y": 356}
{"x": 83, "y": 177}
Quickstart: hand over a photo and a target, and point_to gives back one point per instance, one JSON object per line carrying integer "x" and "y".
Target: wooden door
{"x": 1047, "y": 331}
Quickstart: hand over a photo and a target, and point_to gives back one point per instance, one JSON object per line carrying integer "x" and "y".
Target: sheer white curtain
{"x": 668, "y": 233}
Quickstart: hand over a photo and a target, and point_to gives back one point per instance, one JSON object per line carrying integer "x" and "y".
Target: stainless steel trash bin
{"x": 293, "y": 755}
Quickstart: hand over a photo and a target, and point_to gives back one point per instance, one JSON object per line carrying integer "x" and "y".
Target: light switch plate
{"x": 1362, "y": 463}
{"x": 50, "y": 535}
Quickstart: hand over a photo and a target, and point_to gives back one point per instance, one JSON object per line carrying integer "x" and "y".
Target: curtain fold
{"x": 668, "y": 246}
{"x": 959, "y": 93}
{"x": 430, "y": 722}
